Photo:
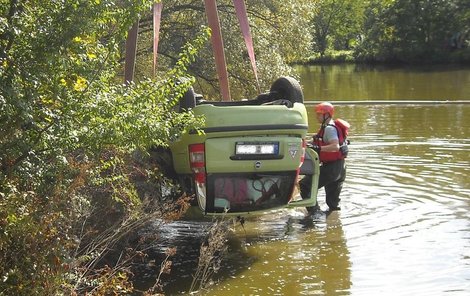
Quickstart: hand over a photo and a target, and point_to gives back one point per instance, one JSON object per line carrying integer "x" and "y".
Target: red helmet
{"x": 325, "y": 108}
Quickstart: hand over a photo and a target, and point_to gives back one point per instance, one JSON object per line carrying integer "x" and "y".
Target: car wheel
{"x": 287, "y": 88}
{"x": 188, "y": 100}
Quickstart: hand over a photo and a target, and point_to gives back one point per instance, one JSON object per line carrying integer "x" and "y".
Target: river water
{"x": 404, "y": 224}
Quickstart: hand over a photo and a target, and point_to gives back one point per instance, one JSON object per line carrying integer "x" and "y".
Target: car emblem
{"x": 293, "y": 149}
{"x": 257, "y": 164}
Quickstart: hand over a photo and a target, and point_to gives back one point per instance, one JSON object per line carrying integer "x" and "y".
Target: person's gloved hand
{"x": 316, "y": 148}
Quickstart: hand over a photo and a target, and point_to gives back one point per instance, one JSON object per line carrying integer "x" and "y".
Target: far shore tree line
{"x": 77, "y": 178}
{"x": 306, "y": 31}
{"x": 403, "y": 31}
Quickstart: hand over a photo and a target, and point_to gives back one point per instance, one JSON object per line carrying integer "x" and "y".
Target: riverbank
{"x": 460, "y": 56}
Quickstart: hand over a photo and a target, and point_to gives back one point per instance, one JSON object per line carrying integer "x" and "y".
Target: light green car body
{"x": 284, "y": 127}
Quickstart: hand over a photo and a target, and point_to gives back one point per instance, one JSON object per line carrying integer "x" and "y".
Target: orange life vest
{"x": 341, "y": 127}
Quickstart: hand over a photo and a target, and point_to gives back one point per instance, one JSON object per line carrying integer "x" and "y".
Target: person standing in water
{"x": 331, "y": 145}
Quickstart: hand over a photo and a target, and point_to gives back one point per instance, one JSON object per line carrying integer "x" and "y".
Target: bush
{"x": 332, "y": 56}
{"x": 69, "y": 133}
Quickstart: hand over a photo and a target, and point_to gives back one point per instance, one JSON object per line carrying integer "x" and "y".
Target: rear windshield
{"x": 248, "y": 192}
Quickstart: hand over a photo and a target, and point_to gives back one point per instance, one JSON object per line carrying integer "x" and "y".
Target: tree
{"x": 70, "y": 130}
{"x": 376, "y": 34}
{"x": 405, "y": 30}
{"x": 337, "y": 24}
{"x": 280, "y": 34}
{"x": 421, "y": 27}
{"x": 66, "y": 122}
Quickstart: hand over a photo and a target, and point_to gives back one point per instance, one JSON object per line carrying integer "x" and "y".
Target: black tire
{"x": 188, "y": 100}
{"x": 287, "y": 88}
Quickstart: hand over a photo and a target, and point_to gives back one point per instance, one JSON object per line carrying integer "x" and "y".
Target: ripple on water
{"x": 403, "y": 230}
{"x": 406, "y": 222}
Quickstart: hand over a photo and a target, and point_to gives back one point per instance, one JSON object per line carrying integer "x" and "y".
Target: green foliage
{"x": 333, "y": 56}
{"x": 280, "y": 34}
{"x": 392, "y": 30}
{"x": 414, "y": 31}
{"x": 337, "y": 24}
{"x": 66, "y": 123}
{"x": 421, "y": 27}
{"x": 34, "y": 242}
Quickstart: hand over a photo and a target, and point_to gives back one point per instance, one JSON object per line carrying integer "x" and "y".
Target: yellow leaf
{"x": 80, "y": 84}
{"x": 91, "y": 56}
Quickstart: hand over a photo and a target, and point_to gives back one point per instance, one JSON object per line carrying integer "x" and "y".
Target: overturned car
{"x": 250, "y": 156}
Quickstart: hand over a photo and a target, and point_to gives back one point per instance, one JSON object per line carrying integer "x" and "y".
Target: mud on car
{"x": 251, "y": 153}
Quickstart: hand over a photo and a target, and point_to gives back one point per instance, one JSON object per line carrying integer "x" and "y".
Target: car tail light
{"x": 197, "y": 162}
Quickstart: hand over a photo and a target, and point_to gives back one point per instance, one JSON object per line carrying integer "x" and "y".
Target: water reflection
{"x": 290, "y": 255}
{"x": 409, "y": 200}
{"x": 362, "y": 82}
